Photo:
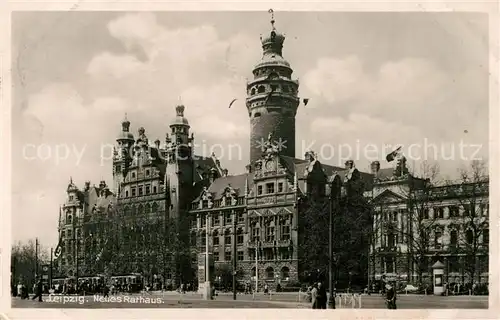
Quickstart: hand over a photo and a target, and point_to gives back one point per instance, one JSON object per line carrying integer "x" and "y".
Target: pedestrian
{"x": 390, "y": 296}
{"x": 321, "y": 296}
{"x": 38, "y": 291}
{"x": 266, "y": 289}
{"x": 314, "y": 297}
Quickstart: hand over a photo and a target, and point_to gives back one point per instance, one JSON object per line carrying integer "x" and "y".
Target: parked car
{"x": 410, "y": 288}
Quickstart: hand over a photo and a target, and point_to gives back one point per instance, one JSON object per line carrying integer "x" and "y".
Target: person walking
{"x": 321, "y": 296}
{"x": 314, "y": 297}
{"x": 390, "y": 296}
{"x": 38, "y": 291}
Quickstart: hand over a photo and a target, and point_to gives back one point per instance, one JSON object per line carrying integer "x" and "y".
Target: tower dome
{"x": 125, "y": 134}
{"x": 179, "y": 118}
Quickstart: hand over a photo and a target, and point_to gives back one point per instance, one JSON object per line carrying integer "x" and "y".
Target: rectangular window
{"x": 453, "y": 238}
{"x": 280, "y": 187}
{"x": 126, "y": 193}
{"x": 227, "y": 255}
{"x": 154, "y": 189}
{"x": 240, "y": 256}
{"x": 147, "y": 173}
{"x": 251, "y": 254}
{"x": 133, "y": 192}
{"x": 259, "y": 190}
{"x": 140, "y": 191}
{"x": 255, "y": 234}
{"x": 437, "y": 239}
{"x": 216, "y": 256}
{"x": 148, "y": 189}
{"x": 228, "y": 218}
{"x": 239, "y": 238}
{"x": 227, "y": 239}
{"x": 438, "y": 213}
{"x": 270, "y": 188}
{"x": 216, "y": 240}
{"x": 285, "y": 232}
{"x": 285, "y": 254}
{"x": 268, "y": 254}
{"x": 216, "y": 220}
{"x": 467, "y": 210}
{"x": 71, "y": 197}
{"x": 241, "y": 218}
{"x": 270, "y": 234}
{"x": 203, "y": 221}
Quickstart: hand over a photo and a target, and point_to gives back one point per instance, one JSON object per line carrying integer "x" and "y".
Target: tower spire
{"x": 271, "y": 12}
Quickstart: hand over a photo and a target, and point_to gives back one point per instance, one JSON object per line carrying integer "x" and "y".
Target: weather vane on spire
{"x": 271, "y": 11}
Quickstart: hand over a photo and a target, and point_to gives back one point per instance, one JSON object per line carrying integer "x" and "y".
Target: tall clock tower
{"x": 272, "y": 100}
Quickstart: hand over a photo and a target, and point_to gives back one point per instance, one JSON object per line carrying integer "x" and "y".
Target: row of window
{"x": 470, "y": 238}
{"x": 141, "y": 190}
{"x": 270, "y": 188}
{"x": 267, "y": 255}
{"x": 216, "y": 219}
{"x": 270, "y": 274}
{"x": 270, "y": 235}
{"x": 273, "y": 88}
{"x": 439, "y": 212}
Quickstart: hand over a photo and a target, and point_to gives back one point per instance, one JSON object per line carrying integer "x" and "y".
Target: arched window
{"x": 261, "y": 89}
{"x": 256, "y": 115}
{"x": 285, "y": 273}
{"x": 253, "y": 272}
{"x": 155, "y": 207}
{"x": 270, "y": 273}
{"x": 133, "y": 210}
{"x": 147, "y": 208}
{"x": 140, "y": 209}
{"x": 252, "y": 92}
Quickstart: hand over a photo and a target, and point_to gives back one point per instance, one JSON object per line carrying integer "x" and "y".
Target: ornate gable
{"x": 387, "y": 197}
{"x": 206, "y": 199}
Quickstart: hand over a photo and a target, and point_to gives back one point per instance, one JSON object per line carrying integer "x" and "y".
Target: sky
{"x": 372, "y": 79}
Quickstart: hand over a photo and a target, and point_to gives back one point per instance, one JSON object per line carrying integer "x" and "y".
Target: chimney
{"x": 375, "y": 167}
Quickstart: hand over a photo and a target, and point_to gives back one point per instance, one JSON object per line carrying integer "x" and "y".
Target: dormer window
{"x": 71, "y": 197}
{"x": 147, "y": 173}
{"x": 133, "y": 175}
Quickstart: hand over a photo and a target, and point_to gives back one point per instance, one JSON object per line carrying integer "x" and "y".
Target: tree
{"x": 410, "y": 200}
{"x": 472, "y": 195}
{"x": 23, "y": 261}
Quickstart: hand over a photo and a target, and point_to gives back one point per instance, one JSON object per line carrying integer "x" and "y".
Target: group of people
{"x": 319, "y": 297}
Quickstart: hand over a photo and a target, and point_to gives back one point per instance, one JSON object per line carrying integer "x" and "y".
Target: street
{"x": 280, "y": 300}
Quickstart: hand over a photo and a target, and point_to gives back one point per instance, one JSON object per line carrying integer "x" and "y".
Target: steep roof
{"x": 300, "y": 165}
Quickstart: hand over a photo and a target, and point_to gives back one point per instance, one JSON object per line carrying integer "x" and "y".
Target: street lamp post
{"x": 333, "y": 203}
{"x": 234, "y": 255}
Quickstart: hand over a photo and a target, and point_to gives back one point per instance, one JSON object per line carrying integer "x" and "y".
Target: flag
{"x": 391, "y": 156}
{"x": 230, "y": 104}
{"x": 305, "y": 101}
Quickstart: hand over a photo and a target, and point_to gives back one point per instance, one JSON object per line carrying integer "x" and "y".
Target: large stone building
{"x": 417, "y": 224}
{"x": 167, "y": 202}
